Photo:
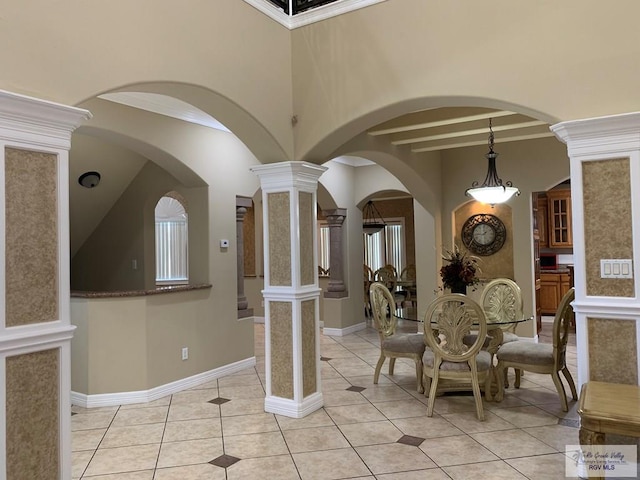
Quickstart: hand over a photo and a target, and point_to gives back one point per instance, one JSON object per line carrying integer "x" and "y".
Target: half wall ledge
{"x": 140, "y": 293}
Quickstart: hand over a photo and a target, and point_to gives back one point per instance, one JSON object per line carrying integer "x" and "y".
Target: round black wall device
{"x": 89, "y": 179}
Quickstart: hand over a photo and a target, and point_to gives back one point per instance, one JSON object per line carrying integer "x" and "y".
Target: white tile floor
{"x": 380, "y": 433}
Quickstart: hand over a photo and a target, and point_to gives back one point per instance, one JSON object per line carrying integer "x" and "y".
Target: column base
{"x": 342, "y": 294}
{"x": 291, "y": 408}
{"x": 244, "y": 313}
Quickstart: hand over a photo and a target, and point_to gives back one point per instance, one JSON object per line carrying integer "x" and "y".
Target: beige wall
{"x": 232, "y": 50}
{"x": 117, "y": 166}
{"x": 130, "y": 344}
{"x": 357, "y": 70}
{"x": 127, "y": 233}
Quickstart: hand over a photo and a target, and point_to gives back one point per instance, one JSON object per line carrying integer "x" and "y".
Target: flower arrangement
{"x": 460, "y": 271}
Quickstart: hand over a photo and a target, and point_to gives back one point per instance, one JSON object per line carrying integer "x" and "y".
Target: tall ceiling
{"x": 456, "y": 127}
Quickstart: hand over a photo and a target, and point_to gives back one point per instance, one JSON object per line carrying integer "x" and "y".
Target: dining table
{"x": 495, "y": 336}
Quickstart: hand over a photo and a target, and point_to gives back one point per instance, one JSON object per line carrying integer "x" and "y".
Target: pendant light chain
{"x": 492, "y": 190}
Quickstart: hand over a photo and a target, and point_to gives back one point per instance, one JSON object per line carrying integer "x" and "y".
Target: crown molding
{"x": 312, "y": 16}
{"x": 38, "y": 122}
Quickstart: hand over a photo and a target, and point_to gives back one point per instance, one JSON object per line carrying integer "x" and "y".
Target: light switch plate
{"x": 616, "y": 268}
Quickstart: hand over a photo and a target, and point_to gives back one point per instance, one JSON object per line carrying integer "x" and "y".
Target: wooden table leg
{"x": 587, "y": 438}
{"x": 496, "y": 340}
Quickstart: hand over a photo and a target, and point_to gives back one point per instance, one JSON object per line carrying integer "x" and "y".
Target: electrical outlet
{"x": 185, "y": 353}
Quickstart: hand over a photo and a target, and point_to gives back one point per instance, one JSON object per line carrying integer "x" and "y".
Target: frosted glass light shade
{"x": 493, "y": 195}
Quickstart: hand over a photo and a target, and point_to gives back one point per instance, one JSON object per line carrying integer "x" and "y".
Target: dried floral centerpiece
{"x": 461, "y": 270}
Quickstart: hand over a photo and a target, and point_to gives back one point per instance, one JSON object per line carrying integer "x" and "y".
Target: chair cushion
{"x": 508, "y": 337}
{"x": 483, "y": 360}
{"x": 404, "y": 343}
{"x": 526, "y": 352}
{"x": 470, "y": 339}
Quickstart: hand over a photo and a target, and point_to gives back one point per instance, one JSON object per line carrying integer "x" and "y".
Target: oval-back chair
{"x": 393, "y": 345}
{"x": 447, "y": 322}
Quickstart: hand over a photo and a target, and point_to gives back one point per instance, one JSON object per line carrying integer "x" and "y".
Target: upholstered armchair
{"x": 447, "y": 321}
{"x": 543, "y": 357}
{"x": 392, "y": 344}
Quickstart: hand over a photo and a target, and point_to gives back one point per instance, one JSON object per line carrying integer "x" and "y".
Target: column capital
{"x": 276, "y": 176}
{"x": 245, "y": 202}
{"x": 38, "y": 122}
{"x": 601, "y": 134}
{"x": 335, "y": 217}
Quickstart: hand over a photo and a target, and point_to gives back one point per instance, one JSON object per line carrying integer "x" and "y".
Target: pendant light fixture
{"x": 372, "y": 221}
{"x": 492, "y": 190}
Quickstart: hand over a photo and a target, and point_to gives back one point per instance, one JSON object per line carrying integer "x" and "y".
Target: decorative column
{"x": 35, "y": 329}
{"x": 605, "y": 192}
{"x": 291, "y": 291}
{"x": 242, "y": 203}
{"x": 335, "y": 219}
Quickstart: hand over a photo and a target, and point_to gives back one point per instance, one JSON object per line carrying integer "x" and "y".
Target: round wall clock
{"x": 483, "y": 234}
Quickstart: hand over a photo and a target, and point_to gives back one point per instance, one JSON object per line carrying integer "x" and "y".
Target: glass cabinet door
{"x": 559, "y": 218}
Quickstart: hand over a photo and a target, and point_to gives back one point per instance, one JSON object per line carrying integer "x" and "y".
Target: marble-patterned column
{"x": 35, "y": 329}
{"x": 291, "y": 291}
{"x": 242, "y": 203}
{"x": 335, "y": 219}
{"x": 605, "y": 191}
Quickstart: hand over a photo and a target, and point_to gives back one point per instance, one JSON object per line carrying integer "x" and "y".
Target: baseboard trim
{"x": 341, "y": 332}
{"x": 144, "y": 396}
{"x": 291, "y": 408}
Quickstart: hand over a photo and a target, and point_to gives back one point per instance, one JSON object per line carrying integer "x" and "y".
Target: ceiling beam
{"x": 447, "y": 146}
{"x": 434, "y": 118}
{"x": 467, "y": 133}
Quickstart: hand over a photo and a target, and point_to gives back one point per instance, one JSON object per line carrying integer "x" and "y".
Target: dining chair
{"x": 393, "y": 345}
{"x": 408, "y": 276}
{"x": 543, "y": 357}
{"x": 388, "y": 276}
{"x": 447, "y": 321}
{"x": 368, "y": 280}
{"x": 501, "y": 300}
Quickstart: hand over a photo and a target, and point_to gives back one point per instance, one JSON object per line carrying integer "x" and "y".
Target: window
{"x": 386, "y": 247}
{"x": 171, "y": 242}
{"x": 324, "y": 247}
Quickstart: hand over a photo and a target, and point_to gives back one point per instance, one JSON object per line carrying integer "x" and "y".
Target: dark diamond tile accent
{"x": 409, "y": 440}
{"x": 325, "y": 359}
{"x": 219, "y": 401}
{"x": 354, "y": 388}
{"x": 569, "y": 422}
{"x": 224, "y": 461}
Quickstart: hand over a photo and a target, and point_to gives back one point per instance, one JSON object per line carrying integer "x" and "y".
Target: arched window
{"x": 172, "y": 242}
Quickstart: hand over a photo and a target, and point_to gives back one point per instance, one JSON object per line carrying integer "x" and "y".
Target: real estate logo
{"x": 601, "y": 461}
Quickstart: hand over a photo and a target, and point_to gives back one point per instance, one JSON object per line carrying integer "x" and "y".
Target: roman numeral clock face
{"x": 483, "y": 234}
